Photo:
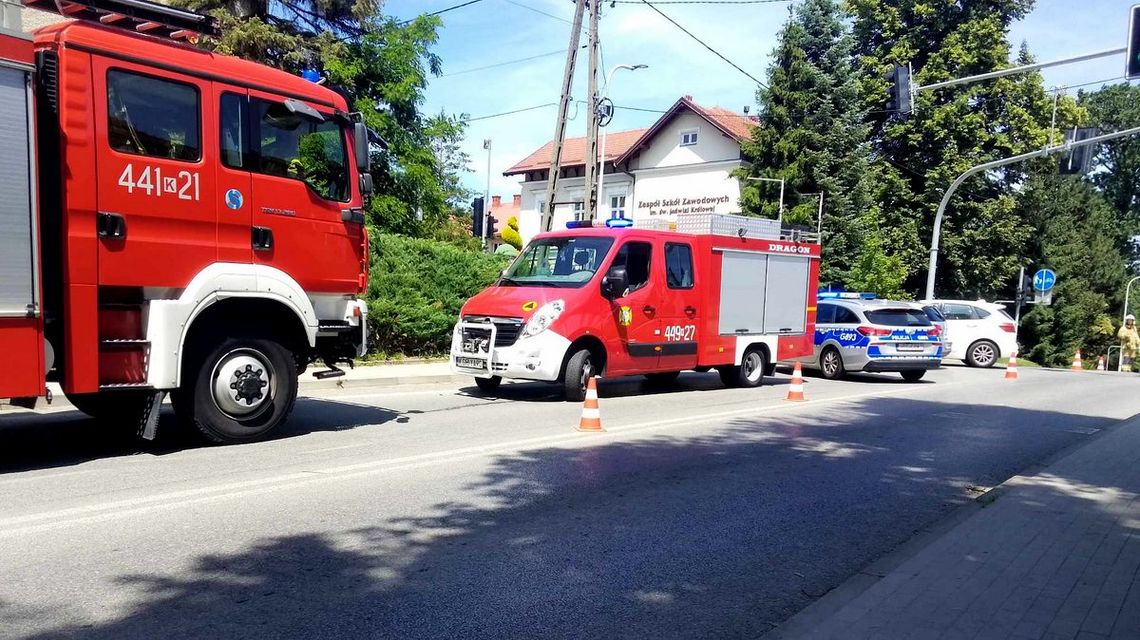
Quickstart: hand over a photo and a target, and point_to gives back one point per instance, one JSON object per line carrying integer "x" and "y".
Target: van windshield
{"x": 558, "y": 262}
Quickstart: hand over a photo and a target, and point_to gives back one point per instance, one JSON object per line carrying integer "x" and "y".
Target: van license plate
{"x": 470, "y": 363}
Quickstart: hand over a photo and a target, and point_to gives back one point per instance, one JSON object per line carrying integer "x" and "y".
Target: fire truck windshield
{"x": 558, "y": 262}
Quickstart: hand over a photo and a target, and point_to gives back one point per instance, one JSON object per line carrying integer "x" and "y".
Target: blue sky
{"x": 495, "y": 31}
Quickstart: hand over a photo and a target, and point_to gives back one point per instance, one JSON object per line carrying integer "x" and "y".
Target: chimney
{"x": 496, "y": 202}
{"x": 689, "y": 98}
{"x": 518, "y": 200}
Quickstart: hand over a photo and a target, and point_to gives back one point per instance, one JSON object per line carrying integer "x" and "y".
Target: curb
{"x": 807, "y": 619}
{"x": 388, "y": 381}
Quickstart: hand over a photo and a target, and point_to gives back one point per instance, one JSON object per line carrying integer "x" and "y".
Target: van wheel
{"x": 913, "y": 376}
{"x": 831, "y": 364}
{"x": 579, "y": 370}
{"x": 982, "y": 354}
{"x": 662, "y": 379}
{"x": 749, "y": 374}
{"x": 241, "y": 390}
{"x": 489, "y": 385}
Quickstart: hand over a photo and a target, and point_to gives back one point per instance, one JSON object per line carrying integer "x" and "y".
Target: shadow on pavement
{"x": 720, "y": 535}
{"x": 625, "y": 386}
{"x": 30, "y": 441}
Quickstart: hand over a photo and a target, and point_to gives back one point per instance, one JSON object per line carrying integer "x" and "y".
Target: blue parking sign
{"x": 1044, "y": 279}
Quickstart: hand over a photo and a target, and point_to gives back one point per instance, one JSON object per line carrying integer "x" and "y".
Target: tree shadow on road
{"x": 724, "y": 534}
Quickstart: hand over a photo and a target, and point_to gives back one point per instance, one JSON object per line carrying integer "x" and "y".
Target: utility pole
{"x": 592, "y": 194}
{"x": 486, "y": 196}
{"x": 547, "y": 217}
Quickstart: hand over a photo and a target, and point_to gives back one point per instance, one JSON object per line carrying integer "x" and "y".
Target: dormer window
{"x": 689, "y": 138}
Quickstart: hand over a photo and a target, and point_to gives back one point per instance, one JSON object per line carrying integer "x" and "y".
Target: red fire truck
{"x": 726, "y": 292}
{"x": 172, "y": 220}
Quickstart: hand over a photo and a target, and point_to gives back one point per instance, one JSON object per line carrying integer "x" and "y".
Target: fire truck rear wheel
{"x": 241, "y": 390}
{"x": 579, "y": 369}
{"x": 749, "y": 374}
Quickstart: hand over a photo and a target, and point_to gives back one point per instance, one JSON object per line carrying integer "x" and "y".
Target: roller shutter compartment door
{"x": 17, "y": 279}
{"x": 742, "y": 300}
{"x": 785, "y": 306}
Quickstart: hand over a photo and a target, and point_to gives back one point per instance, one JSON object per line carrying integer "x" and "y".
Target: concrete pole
{"x": 592, "y": 195}
{"x": 486, "y": 196}
{"x": 547, "y": 217}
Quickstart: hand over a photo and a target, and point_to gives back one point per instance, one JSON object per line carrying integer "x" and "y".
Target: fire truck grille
{"x": 507, "y": 330}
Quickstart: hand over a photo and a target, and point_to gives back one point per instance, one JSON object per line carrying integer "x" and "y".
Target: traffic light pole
{"x": 1040, "y": 153}
{"x": 1022, "y": 69}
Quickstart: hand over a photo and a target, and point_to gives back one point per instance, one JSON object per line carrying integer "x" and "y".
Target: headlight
{"x": 542, "y": 319}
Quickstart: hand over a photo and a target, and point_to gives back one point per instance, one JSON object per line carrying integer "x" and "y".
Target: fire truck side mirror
{"x": 615, "y": 283}
{"x": 366, "y": 186}
{"x": 360, "y": 142}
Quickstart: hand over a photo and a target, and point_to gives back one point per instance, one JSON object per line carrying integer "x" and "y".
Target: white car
{"x": 982, "y": 331}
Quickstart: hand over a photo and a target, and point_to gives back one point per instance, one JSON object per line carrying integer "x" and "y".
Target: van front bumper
{"x": 538, "y": 357}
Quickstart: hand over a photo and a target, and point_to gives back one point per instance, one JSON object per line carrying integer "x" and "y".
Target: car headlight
{"x": 544, "y": 317}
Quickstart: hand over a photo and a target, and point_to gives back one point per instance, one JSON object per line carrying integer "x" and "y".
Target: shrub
{"x": 416, "y": 288}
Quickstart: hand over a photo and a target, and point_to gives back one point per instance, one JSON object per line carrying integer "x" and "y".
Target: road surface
{"x": 439, "y": 513}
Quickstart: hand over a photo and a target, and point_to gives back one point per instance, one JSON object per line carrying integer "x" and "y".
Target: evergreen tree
{"x": 1075, "y": 234}
{"x": 812, "y": 134}
{"x": 1118, "y": 176}
{"x": 952, "y": 130}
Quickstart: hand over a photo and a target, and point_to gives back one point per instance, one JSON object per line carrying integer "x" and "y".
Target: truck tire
{"x": 240, "y": 390}
{"x": 749, "y": 374}
{"x": 579, "y": 369}
{"x": 982, "y": 354}
{"x": 831, "y": 364}
{"x": 489, "y": 385}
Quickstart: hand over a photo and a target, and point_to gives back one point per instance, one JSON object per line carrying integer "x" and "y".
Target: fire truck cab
{"x": 172, "y": 220}
{"x": 726, "y": 292}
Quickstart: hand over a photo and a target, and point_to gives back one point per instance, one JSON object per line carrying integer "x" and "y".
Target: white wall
{"x": 666, "y": 150}
{"x": 569, "y": 189}
{"x": 709, "y": 188}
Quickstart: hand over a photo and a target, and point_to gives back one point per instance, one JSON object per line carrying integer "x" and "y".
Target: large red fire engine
{"x": 172, "y": 220}
{"x": 727, "y": 292}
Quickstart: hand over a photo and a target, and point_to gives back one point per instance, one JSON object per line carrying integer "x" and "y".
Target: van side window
{"x": 292, "y": 146}
{"x": 234, "y": 141}
{"x": 634, "y": 256}
{"x": 678, "y": 266}
{"x": 154, "y": 117}
{"x": 826, "y": 314}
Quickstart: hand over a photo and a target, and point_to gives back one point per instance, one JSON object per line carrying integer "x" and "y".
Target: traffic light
{"x": 1025, "y": 291}
{"x": 1077, "y": 161}
{"x": 491, "y": 226}
{"x": 1132, "y": 66}
{"x": 900, "y": 98}
{"x": 477, "y": 217}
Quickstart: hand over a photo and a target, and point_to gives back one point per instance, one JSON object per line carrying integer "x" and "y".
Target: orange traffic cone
{"x": 1100, "y": 364}
{"x": 591, "y": 416}
{"x": 1011, "y": 367}
{"x": 796, "y": 389}
{"x": 1077, "y": 366}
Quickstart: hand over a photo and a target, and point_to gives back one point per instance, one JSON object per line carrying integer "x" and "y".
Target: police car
{"x": 856, "y": 332}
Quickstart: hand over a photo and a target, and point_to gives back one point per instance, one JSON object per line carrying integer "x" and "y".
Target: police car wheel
{"x": 831, "y": 364}
{"x": 982, "y": 354}
{"x": 913, "y": 376}
{"x": 488, "y": 385}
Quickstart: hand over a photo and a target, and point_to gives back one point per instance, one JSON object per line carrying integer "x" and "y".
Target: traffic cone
{"x": 591, "y": 416}
{"x": 1100, "y": 364}
{"x": 1077, "y": 366}
{"x": 796, "y": 389}
{"x": 1011, "y": 367}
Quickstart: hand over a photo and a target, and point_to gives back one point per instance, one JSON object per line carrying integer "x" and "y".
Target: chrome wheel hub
{"x": 241, "y": 383}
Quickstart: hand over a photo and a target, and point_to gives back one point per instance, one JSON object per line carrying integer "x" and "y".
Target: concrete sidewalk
{"x": 1054, "y": 555}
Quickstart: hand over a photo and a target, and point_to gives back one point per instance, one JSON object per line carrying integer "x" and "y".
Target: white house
{"x": 683, "y": 163}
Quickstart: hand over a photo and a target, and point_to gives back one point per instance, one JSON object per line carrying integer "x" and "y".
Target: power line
{"x": 702, "y": 1}
{"x": 507, "y": 113}
{"x": 702, "y": 43}
{"x": 505, "y": 63}
{"x": 453, "y": 8}
{"x": 528, "y": 8}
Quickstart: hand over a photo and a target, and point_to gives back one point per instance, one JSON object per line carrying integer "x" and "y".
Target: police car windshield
{"x": 899, "y": 317}
{"x": 566, "y": 262}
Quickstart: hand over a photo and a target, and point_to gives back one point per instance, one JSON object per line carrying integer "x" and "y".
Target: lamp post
{"x": 602, "y": 154}
{"x": 780, "y": 219}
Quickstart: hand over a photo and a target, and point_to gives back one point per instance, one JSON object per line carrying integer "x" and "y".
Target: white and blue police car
{"x": 857, "y": 332}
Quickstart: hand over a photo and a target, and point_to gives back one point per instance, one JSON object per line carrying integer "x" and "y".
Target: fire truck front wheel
{"x": 240, "y": 390}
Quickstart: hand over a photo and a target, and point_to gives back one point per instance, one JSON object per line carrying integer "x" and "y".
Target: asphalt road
{"x": 438, "y": 513}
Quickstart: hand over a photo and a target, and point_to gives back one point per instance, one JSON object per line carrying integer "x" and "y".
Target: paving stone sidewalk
{"x": 1054, "y": 556}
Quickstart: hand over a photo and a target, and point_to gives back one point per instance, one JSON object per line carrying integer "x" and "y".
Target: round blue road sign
{"x": 1044, "y": 279}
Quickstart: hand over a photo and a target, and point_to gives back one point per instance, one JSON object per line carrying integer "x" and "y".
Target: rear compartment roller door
{"x": 17, "y": 267}
{"x": 742, "y": 292}
{"x": 785, "y": 308}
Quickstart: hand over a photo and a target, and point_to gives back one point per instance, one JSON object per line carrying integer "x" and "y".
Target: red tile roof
{"x": 621, "y": 144}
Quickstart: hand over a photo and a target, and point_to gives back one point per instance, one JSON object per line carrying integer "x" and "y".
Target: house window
{"x": 579, "y": 210}
{"x": 617, "y": 206}
{"x": 689, "y": 138}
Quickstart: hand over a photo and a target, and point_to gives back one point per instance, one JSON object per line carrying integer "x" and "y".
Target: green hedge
{"x": 415, "y": 290}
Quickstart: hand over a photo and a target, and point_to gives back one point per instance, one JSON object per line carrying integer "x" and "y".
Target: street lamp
{"x": 780, "y": 219}
{"x": 602, "y": 159}
{"x": 486, "y": 195}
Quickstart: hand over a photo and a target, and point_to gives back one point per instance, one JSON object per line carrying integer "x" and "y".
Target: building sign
{"x": 674, "y": 206}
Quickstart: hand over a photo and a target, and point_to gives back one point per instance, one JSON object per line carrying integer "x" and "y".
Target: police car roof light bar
{"x": 140, "y": 16}
{"x": 845, "y": 295}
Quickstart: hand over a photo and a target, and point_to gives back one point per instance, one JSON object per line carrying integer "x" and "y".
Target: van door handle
{"x": 111, "y": 225}
{"x": 262, "y": 238}
{"x": 690, "y": 310}
{"x": 649, "y": 309}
